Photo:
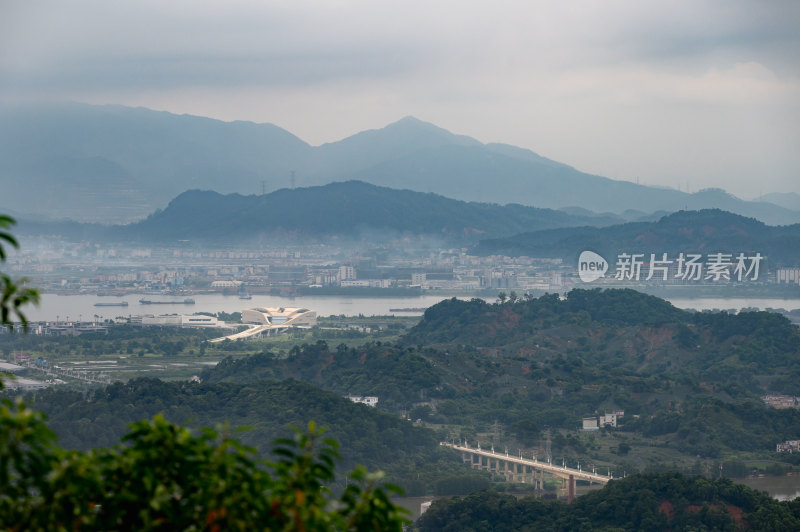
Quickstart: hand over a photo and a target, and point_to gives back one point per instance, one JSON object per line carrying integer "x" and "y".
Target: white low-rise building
{"x": 369, "y": 400}
{"x": 590, "y": 423}
{"x": 180, "y": 320}
{"x": 608, "y": 419}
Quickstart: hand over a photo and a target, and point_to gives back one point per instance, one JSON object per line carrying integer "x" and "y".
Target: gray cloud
{"x": 577, "y": 81}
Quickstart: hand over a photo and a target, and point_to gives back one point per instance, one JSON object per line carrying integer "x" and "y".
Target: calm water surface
{"x": 782, "y": 488}
{"x": 74, "y": 307}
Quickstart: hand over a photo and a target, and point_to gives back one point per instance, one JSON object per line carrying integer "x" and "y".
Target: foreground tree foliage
{"x": 13, "y": 294}
{"x": 163, "y": 477}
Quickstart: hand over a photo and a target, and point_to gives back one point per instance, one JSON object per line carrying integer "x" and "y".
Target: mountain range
{"x": 118, "y": 164}
{"x": 361, "y": 211}
{"x": 351, "y": 208}
{"x": 704, "y": 231}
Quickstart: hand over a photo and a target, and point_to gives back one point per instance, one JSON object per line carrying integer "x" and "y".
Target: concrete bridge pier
{"x": 571, "y": 491}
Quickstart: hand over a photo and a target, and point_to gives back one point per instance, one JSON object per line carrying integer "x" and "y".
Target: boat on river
{"x": 187, "y": 301}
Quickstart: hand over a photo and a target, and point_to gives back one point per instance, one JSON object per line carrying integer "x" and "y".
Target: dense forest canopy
{"x": 667, "y": 501}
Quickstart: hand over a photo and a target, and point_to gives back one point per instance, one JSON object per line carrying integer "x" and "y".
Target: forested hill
{"x": 349, "y": 208}
{"x": 366, "y": 436}
{"x": 655, "y": 502}
{"x": 704, "y": 231}
{"x": 600, "y": 324}
{"x": 482, "y": 323}
{"x": 548, "y": 362}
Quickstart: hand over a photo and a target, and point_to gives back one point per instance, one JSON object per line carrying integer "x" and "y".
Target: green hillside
{"x": 518, "y": 374}
{"x": 381, "y": 441}
{"x": 548, "y": 362}
{"x": 642, "y": 502}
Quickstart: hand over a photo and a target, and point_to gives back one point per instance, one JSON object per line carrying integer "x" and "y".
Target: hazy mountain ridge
{"x": 347, "y": 208}
{"x": 705, "y": 231}
{"x": 788, "y": 200}
{"x": 120, "y": 153}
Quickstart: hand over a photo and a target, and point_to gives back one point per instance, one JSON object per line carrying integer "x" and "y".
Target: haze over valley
{"x": 509, "y": 266}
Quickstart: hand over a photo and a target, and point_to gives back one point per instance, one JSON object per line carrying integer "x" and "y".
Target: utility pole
{"x": 547, "y": 443}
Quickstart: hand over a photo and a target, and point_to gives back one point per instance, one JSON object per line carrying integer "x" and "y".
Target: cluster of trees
{"x": 667, "y": 501}
{"x": 164, "y": 477}
{"x": 485, "y": 324}
{"x": 542, "y": 362}
{"x": 13, "y": 293}
{"x": 548, "y": 362}
{"x": 400, "y": 375}
{"x": 408, "y": 453}
{"x": 707, "y": 426}
{"x": 121, "y": 339}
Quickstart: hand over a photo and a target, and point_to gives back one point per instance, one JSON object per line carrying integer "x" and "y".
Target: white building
{"x": 179, "y": 320}
{"x": 369, "y": 400}
{"x": 788, "y": 275}
{"x": 347, "y": 273}
{"x": 20, "y": 383}
{"x": 608, "y": 419}
{"x": 355, "y": 284}
{"x": 226, "y": 284}
{"x": 280, "y": 317}
{"x": 590, "y": 423}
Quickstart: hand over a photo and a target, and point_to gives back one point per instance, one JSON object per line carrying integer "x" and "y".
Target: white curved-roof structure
{"x": 280, "y": 316}
{"x": 265, "y": 321}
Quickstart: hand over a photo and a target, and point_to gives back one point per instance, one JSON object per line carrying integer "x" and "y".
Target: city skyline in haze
{"x": 704, "y": 94}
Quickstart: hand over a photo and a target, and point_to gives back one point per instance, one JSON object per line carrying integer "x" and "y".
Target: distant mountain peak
{"x": 409, "y": 119}
{"x": 51, "y": 155}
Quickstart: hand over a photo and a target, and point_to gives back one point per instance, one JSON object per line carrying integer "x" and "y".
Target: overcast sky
{"x": 669, "y": 93}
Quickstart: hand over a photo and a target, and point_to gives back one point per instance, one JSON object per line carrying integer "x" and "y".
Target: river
{"x": 73, "y": 307}
{"x": 783, "y": 488}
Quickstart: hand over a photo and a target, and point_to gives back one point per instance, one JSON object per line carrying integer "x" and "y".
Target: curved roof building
{"x": 269, "y": 321}
{"x": 280, "y": 317}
